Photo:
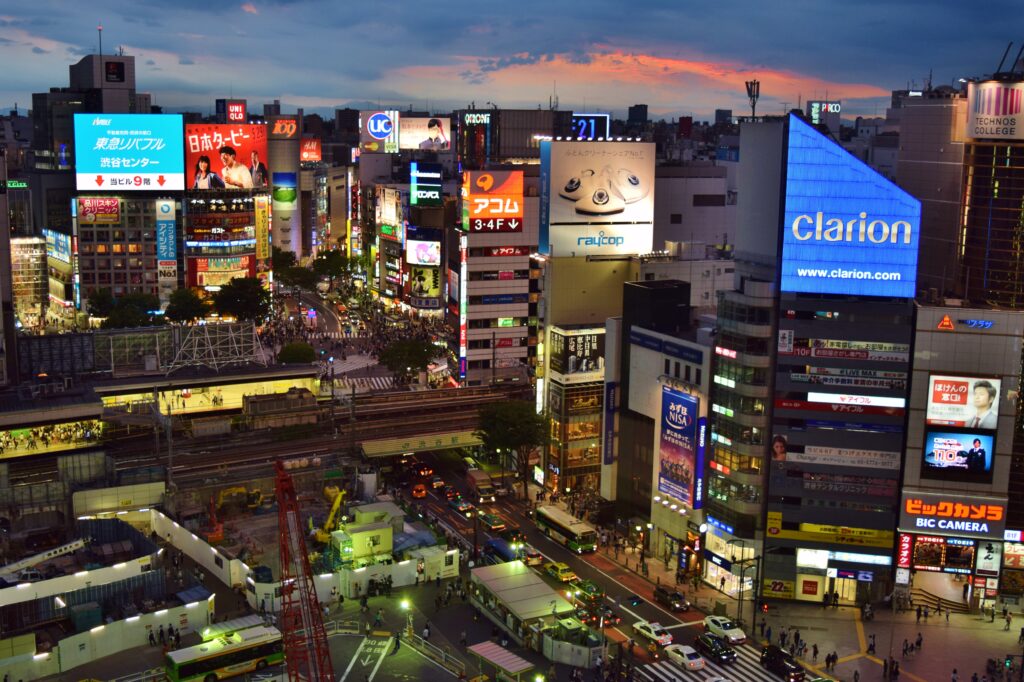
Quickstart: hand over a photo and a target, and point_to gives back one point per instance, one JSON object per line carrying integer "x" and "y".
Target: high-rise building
{"x": 637, "y": 115}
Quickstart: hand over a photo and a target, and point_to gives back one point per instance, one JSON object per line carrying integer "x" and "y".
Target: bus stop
{"x": 507, "y": 666}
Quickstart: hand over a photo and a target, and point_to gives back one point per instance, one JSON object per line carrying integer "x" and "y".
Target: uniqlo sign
{"x": 236, "y": 112}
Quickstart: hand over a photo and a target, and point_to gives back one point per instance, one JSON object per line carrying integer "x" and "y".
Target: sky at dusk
{"x": 678, "y": 57}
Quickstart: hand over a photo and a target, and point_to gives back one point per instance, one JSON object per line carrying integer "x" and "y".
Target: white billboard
{"x": 994, "y": 110}
{"x": 971, "y": 402}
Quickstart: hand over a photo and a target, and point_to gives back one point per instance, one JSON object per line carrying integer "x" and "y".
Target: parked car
{"x": 715, "y": 648}
{"x": 686, "y": 657}
{"x": 671, "y": 598}
{"x": 560, "y": 570}
{"x": 778, "y": 661}
{"x": 725, "y": 628}
{"x": 653, "y": 632}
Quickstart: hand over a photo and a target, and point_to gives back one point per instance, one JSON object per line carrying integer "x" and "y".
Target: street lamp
{"x": 406, "y": 606}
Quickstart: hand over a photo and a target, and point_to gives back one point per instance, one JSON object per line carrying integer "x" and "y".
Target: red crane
{"x": 307, "y": 655}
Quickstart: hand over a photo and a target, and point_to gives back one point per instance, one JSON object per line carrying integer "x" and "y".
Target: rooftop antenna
{"x": 99, "y": 29}
{"x": 1016, "y": 59}
{"x": 999, "y": 68}
{"x": 753, "y": 93}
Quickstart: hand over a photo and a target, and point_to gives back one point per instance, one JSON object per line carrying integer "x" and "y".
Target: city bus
{"x": 558, "y": 525}
{"x": 233, "y": 654}
{"x": 498, "y": 551}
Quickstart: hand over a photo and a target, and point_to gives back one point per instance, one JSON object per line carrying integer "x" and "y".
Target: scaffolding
{"x": 218, "y": 346}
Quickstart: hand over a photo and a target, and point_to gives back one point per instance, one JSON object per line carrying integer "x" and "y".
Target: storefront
{"x": 728, "y": 559}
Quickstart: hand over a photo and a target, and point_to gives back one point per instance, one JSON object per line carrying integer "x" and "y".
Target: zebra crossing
{"x": 344, "y": 335}
{"x": 747, "y": 668}
{"x": 365, "y": 384}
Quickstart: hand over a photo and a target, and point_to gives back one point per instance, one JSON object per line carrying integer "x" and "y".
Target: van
{"x": 782, "y": 664}
{"x": 671, "y": 598}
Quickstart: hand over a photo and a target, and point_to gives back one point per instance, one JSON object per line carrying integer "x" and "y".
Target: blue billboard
{"x": 129, "y": 152}
{"x": 846, "y": 229}
{"x": 677, "y": 446}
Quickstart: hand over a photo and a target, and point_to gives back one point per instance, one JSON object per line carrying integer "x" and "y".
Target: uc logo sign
{"x": 380, "y": 126}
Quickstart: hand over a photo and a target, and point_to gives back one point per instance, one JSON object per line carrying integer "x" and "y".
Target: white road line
{"x": 380, "y": 660}
{"x": 352, "y": 662}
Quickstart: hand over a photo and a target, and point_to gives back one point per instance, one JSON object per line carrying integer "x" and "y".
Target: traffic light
{"x": 1008, "y": 662}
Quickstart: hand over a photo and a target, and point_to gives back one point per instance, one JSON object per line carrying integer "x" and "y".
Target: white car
{"x": 685, "y": 657}
{"x": 653, "y": 632}
{"x": 725, "y": 628}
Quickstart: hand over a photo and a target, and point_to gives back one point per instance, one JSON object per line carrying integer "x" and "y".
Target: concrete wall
{"x": 25, "y": 592}
{"x": 229, "y": 571}
{"x": 96, "y": 501}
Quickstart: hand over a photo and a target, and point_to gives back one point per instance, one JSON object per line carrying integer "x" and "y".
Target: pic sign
{"x": 492, "y": 201}
{"x": 129, "y": 152}
{"x": 994, "y": 110}
{"x": 846, "y": 229}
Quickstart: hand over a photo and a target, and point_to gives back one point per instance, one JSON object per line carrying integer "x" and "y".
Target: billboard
{"x": 166, "y": 230}
{"x": 128, "y": 152}
{"x": 424, "y": 132}
{"x": 597, "y": 197}
{"x": 228, "y": 156}
{"x": 378, "y": 131}
{"x": 677, "y": 444}
{"x": 99, "y": 210}
{"x": 422, "y": 253}
{"x": 591, "y": 126}
{"x": 261, "y": 214}
{"x": 425, "y": 187}
{"x": 492, "y": 201}
{"x": 994, "y": 110}
{"x": 58, "y": 245}
{"x": 953, "y": 514}
{"x": 576, "y": 355}
{"x": 311, "y": 149}
{"x": 389, "y": 217}
{"x": 846, "y": 229}
{"x": 958, "y": 455}
{"x": 231, "y": 111}
{"x": 424, "y": 282}
{"x": 971, "y": 402}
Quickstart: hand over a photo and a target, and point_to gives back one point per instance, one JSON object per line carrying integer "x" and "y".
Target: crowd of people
{"x": 43, "y": 437}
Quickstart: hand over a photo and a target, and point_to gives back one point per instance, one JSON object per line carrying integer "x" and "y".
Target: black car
{"x": 670, "y": 598}
{"x": 782, "y": 664}
{"x": 715, "y": 648}
{"x": 512, "y": 534}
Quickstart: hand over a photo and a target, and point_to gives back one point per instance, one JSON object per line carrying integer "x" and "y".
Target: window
{"x": 709, "y": 200}
{"x": 449, "y": 559}
{"x": 676, "y": 218}
{"x": 668, "y": 366}
{"x": 675, "y": 372}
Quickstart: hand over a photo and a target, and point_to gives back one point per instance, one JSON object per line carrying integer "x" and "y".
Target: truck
{"x": 480, "y": 486}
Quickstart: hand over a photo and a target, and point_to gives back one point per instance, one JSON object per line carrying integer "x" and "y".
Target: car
{"x": 436, "y": 482}
{"x": 500, "y": 488}
{"x": 673, "y": 599}
{"x": 419, "y": 491}
{"x": 610, "y": 617}
{"x": 778, "y": 661}
{"x": 634, "y": 600}
{"x": 460, "y": 505}
{"x": 531, "y": 556}
{"x": 686, "y": 657}
{"x": 653, "y": 632}
{"x": 449, "y": 492}
{"x": 492, "y": 522}
{"x": 726, "y": 628}
{"x": 586, "y": 616}
{"x": 560, "y": 570}
{"x": 587, "y": 590}
{"x": 423, "y": 470}
{"x": 512, "y": 534}
{"x": 715, "y": 648}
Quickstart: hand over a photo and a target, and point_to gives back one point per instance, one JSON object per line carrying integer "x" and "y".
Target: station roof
{"x": 521, "y": 590}
{"x": 501, "y": 657}
{"x": 386, "y": 447}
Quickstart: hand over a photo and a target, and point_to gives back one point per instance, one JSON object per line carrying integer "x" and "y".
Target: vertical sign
{"x": 698, "y": 470}
{"x": 608, "y": 445}
{"x": 463, "y": 308}
{"x": 261, "y": 214}
{"x": 677, "y": 444}
{"x": 166, "y": 249}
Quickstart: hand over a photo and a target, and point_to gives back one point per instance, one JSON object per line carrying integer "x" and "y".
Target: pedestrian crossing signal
{"x": 1008, "y": 662}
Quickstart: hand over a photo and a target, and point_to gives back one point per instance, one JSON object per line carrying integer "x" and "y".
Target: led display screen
{"x": 422, "y": 253}
{"x": 961, "y": 455}
{"x": 425, "y": 132}
{"x": 846, "y": 229}
{"x": 129, "y": 152}
{"x": 229, "y": 156}
{"x": 972, "y": 402}
{"x": 492, "y": 201}
{"x": 425, "y": 184}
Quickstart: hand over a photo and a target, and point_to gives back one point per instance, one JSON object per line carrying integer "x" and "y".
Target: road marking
{"x": 383, "y": 653}
{"x": 861, "y": 639}
{"x": 352, "y": 662}
{"x": 686, "y": 624}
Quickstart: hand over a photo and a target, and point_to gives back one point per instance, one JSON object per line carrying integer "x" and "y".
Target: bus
{"x": 233, "y": 654}
{"x": 498, "y": 551}
{"x": 575, "y": 534}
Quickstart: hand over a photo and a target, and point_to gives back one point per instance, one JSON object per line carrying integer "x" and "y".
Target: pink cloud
{"x": 249, "y": 8}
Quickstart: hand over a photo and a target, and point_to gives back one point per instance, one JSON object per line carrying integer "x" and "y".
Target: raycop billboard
{"x": 129, "y": 152}
{"x": 846, "y": 229}
{"x": 597, "y": 198}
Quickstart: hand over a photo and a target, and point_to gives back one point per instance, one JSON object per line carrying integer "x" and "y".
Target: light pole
{"x": 406, "y": 606}
{"x": 475, "y": 515}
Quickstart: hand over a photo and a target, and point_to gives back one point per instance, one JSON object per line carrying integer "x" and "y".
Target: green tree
{"x": 280, "y": 259}
{"x": 134, "y": 310}
{"x": 185, "y": 306}
{"x": 301, "y": 277}
{"x": 513, "y": 427}
{"x": 100, "y": 302}
{"x": 408, "y": 357}
{"x": 298, "y": 352}
{"x": 243, "y": 298}
{"x": 330, "y": 264}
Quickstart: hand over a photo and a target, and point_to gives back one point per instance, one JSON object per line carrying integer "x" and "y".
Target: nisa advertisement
{"x": 129, "y": 152}
{"x": 846, "y": 229}
{"x": 677, "y": 446}
{"x": 378, "y": 132}
{"x": 232, "y": 156}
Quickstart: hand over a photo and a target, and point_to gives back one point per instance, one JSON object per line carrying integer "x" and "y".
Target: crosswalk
{"x": 746, "y": 668}
{"x": 365, "y": 384}
{"x": 345, "y": 334}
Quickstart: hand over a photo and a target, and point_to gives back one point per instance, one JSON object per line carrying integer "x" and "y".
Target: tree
{"x": 100, "y": 302}
{"x": 514, "y": 427}
{"x": 301, "y": 277}
{"x": 298, "y": 352}
{"x": 243, "y": 298}
{"x": 330, "y": 264}
{"x": 185, "y": 306}
{"x": 134, "y": 310}
{"x": 280, "y": 259}
{"x": 408, "y": 357}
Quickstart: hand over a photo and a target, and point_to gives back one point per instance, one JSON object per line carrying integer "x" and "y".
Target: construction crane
{"x": 323, "y": 535}
{"x": 307, "y": 656}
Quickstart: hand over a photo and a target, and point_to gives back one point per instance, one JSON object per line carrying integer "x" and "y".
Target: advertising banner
{"x": 576, "y": 355}
{"x": 390, "y": 219}
{"x": 422, "y": 253}
{"x": 283, "y": 127}
{"x": 953, "y": 514}
{"x": 958, "y": 455}
{"x": 311, "y": 149}
{"x": 846, "y": 229}
{"x": 677, "y": 444}
{"x": 378, "y": 131}
{"x": 608, "y": 443}
{"x": 492, "y": 201}
{"x": 904, "y": 550}
{"x": 963, "y": 401}
{"x": 816, "y": 532}
{"x": 990, "y": 558}
{"x": 261, "y": 211}
{"x": 591, "y": 126}
{"x": 845, "y": 457}
{"x": 994, "y": 110}
{"x": 129, "y": 152}
{"x": 166, "y": 230}
{"x": 423, "y": 132}
{"x": 424, "y": 282}
{"x": 219, "y": 271}
{"x": 600, "y": 198}
{"x": 285, "y": 195}
{"x": 99, "y": 210}
{"x": 463, "y": 299}
{"x": 786, "y": 404}
{"x": 425, "y": 188}
{"x": 1013, "y": 553}
{"x": 506, "y": 251}
{"x": 702, "y": 440}
{"x": 228, "y": 156}
{"x": 58, "y": 245}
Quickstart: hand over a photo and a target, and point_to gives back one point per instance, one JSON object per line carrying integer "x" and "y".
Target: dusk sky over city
{"x": 602, "y": 55}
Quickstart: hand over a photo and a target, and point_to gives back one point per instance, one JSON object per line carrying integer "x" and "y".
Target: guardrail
{"x": 144, "y": 676}
{"x": 440, "y": 656}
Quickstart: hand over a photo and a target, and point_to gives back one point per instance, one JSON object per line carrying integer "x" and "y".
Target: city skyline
{"x": 677, "y": 63}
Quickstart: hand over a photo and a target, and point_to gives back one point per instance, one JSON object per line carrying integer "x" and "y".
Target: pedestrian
{"x": 398, "y": 643}
{"x": 871, "y": 644}
{"x": 947, "y": 616}
{"x": 1009, "y": 620}
{"x": 906, "y": 647}
{"x": 462, "y": 638}
{"x": 918, "y": 641}
{"x": 919, "y": 615}
{"x": 152, "y": 638}
{"x": 426, "y": 632}
{"x": 437, "y": 580}
{"x": 1020, "y": 640}
{"x": 814, "y": 653}
{"x": 378, "y": 619}
{"x": 966, "y": 587}
{"x": 161, "y": 636}
{"x": 721, "y": 584}
{"x": 762, "y": 626}
{"x": 796, "y": 638}
{"x": 768, "y": 633}
{"x": 955, "y": 677}
{"x": 885, "y": 669}
{"x": 856, "y": 676}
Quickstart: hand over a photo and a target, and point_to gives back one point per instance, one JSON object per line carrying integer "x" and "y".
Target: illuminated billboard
{"x": 425, "y": 187}
{"x": 311, "y": 149}
{"x": 424, "y": 132}
{"x": 972, "y": 402}
{"x": 228, "y": 156}
{"x": 379, "y": 131}
{"x": 846, "y": 229}
{"x": 677, "y": 446}
{"x": 492, "y": 201}
{"x": 576, "y": 355}
{"x": 99, "y": 210}
{"x": 58, "y": 245}
{"x": 994, "y": 110}
{"x": 424, "y": 282}
{"x": 128, "y": 152}
{"x": 591, "y": 126}
{"x": 422, "y": 253}
{"x": 597, "y": 198}
{"x": 390, "y": 218}
{"x": 960, "y": 455}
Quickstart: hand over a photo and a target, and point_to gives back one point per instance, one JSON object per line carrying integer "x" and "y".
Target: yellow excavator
{"x": 323, "y": 535}
{"x": 239, "y": 497}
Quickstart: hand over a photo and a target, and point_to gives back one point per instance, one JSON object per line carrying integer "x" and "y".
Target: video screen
{"x": 965, "y": 455}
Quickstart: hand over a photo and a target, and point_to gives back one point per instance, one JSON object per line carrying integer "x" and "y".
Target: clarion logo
{"x": 101, "y": 121}
{"x": 822, "y": 229}
{"x": 600, "y": 240}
